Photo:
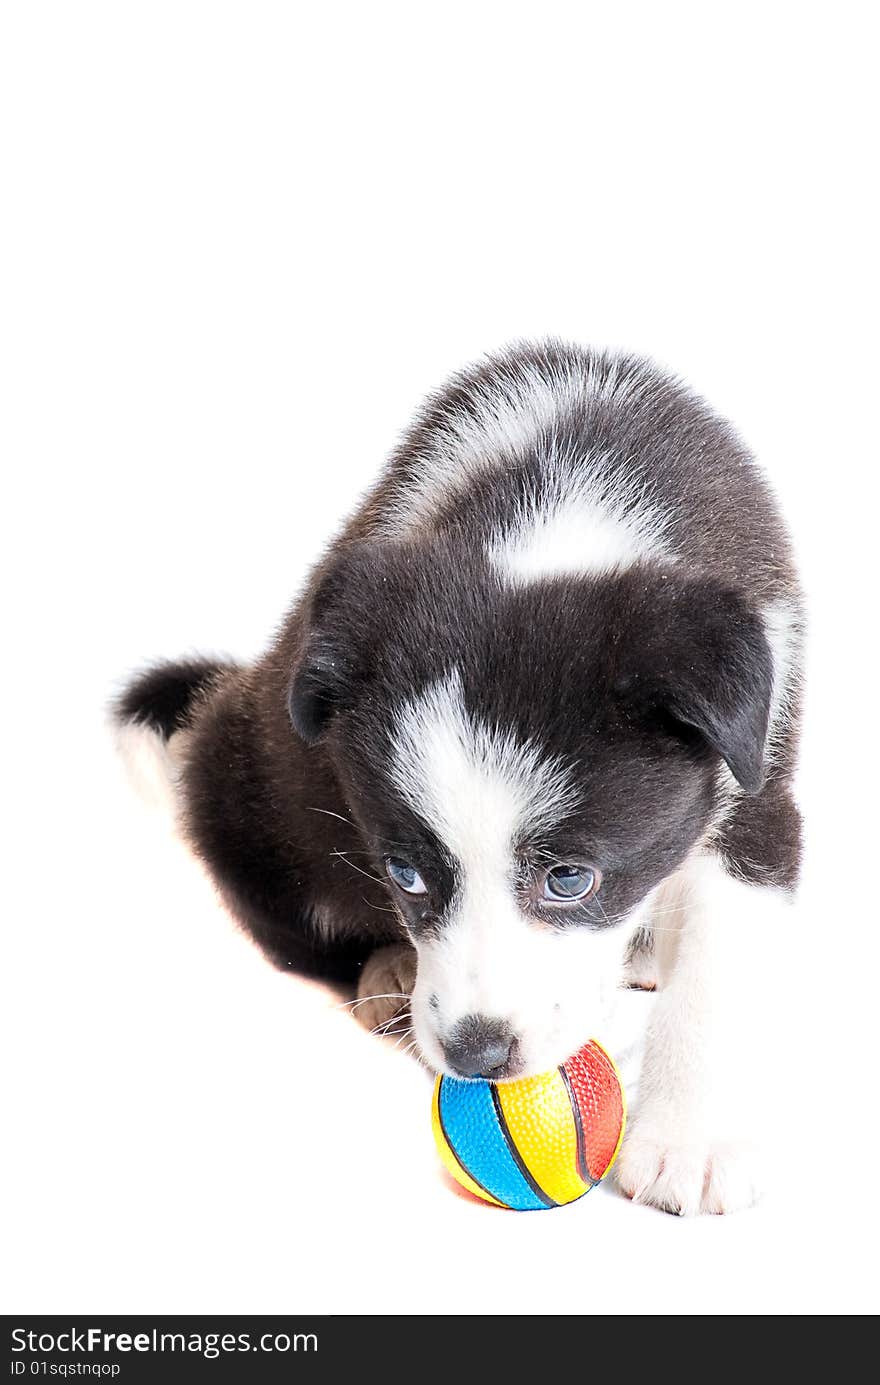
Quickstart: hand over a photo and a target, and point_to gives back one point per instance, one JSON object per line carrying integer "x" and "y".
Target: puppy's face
{"x": 515, "y": 864}
{"x": 525, "y": 778}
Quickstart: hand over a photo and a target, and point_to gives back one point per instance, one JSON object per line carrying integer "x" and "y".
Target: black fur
{"x": 162, "y": 697}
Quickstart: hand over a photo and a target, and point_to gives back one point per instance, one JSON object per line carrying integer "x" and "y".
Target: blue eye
{"x": 569, "y": 882}
{"x": 405, "y": 876}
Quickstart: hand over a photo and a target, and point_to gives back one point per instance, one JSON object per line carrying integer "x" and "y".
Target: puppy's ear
{"x": 329, "y": 661}
{"x": 705, "y": 660}
{"x": 316, "y": 690}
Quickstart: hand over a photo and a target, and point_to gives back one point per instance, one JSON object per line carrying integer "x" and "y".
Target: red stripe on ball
{"x": 599, "y": 1097}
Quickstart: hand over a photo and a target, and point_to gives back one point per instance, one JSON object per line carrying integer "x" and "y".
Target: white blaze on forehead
{"x": 478, "y": 786}
{"x": 475, "y": 785}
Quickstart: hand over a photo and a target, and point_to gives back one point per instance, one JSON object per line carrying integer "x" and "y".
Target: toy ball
{"x": 538, "y": 1141}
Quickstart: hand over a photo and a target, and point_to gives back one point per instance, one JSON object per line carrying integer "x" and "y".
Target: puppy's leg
{"x": 640, "y": 963}
{"x": 706, "y": 1079}
{"x": 385, "y": 986}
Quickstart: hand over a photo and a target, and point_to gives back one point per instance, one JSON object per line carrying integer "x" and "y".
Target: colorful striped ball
{"x": 537, "y": 1142}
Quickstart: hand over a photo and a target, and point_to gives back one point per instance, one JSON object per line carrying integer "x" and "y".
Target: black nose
{"x": 480, "y": 1047}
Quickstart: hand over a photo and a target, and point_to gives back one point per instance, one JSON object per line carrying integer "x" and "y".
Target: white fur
{"x": 782, "y": 627}
{"x": 477, "y": 788}
{"x": 507, "y": 414}
{"x": 475, "y": 784}
{"x": 150, "y": 764}
{"x": 581, "y": 524}
{"x": 706, "y": 1089}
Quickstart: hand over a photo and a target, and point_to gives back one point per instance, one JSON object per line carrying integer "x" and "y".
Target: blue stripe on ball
{"x": 473, "y": 1130}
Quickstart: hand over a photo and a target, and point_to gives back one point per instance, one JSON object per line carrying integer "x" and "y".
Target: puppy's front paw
{"x": 385, "y": 986}
{"x": 687, "y": 1176}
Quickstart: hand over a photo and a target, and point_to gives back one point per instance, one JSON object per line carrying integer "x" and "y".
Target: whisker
{"x": 343, "y": 857}
{"x": 328, "y": 814}
{"x": 597, "y": 900}
{"x": 647, "y": 923}
{"x": 387, "y": 1032}
{"x": 383, "y": 1028}
{"x": 380, "y": 908}
{"x": 362, "y": 1000}
{"x": 353, "y": 851}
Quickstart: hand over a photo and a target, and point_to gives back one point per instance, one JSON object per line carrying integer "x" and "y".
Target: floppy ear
{"x": 316, "y": 690}
{"x": 708, "y": 664}
{"x": 330, "y": 658}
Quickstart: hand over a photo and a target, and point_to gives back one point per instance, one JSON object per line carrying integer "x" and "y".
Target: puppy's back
{"x": 559, "y": 459}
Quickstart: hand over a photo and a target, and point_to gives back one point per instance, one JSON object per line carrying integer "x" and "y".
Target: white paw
{"x": 687, "y": 1177}
{"x": 384, "y": 989}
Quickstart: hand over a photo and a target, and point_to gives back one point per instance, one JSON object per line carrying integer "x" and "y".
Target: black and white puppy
{"x": 528, "y": 734}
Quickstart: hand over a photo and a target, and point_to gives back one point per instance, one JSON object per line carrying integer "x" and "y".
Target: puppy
{"x": 528, "y": 736}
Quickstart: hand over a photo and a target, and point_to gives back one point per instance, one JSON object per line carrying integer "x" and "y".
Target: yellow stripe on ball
{"x": 541, "y": 1124}
{"x": 453, "y": 1164}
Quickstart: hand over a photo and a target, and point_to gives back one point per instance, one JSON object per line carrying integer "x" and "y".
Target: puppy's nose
{"x": 480, "y": 1047}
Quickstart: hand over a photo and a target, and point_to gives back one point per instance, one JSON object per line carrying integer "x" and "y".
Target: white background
{"x": 240, "y": 240}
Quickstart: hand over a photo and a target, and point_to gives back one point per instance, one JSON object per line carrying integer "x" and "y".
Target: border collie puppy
{"x": 526, "y": 738}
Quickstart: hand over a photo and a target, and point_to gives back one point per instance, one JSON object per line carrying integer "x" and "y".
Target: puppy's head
{"x": 527, "y": 766}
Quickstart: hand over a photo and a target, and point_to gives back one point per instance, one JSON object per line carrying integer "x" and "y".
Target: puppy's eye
{"x": 405, "y": 876}
{"x": 570, "y": 882}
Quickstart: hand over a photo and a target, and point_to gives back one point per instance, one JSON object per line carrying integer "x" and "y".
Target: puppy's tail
{"x": 152, "y": 707}
{"x": 161, "y": 698}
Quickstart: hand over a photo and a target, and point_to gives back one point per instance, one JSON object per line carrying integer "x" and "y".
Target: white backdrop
{"x": 239, "y": 241}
